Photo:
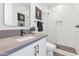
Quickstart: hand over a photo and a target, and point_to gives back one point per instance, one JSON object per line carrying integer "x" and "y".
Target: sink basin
{"x": 24, "y": 38}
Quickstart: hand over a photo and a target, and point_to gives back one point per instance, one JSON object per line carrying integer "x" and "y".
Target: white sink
{"x": 24, "y": 38}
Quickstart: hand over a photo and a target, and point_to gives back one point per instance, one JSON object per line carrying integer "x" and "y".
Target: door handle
{"x": 35, "y": 51}
{"x": 77, "y": 26}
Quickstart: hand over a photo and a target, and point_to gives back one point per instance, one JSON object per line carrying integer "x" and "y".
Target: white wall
{"x": 62, "y": 33}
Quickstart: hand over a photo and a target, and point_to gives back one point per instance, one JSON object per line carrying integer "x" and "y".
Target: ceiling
{"x": 25, "y": 4}
{"x": 51, "y": 5}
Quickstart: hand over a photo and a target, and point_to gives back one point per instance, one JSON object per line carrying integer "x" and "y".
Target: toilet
{"x": 50, "y": 48}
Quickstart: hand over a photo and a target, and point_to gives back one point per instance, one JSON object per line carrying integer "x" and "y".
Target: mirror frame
{"x": 15, "y": 26}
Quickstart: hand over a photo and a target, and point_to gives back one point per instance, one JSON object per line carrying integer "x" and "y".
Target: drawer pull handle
{"x": 35, "y": 51}
{"x": 37, "y": 48}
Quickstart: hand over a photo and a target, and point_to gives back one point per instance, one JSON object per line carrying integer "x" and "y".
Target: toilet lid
{"x": 51, "y": 46}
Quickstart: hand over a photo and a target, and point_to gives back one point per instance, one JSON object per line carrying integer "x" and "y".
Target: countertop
{"x": 10, "y": 45}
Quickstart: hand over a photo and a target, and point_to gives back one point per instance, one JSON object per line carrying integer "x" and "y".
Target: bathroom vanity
{"x": 27, "y": 45}
{"x": 17, "y": 16}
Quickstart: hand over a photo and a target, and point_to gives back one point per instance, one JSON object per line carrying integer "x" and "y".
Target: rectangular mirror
{"x": 17, "y": 14}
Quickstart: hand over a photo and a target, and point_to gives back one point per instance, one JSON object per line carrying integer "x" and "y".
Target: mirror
{"x": 17, "y": 14}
